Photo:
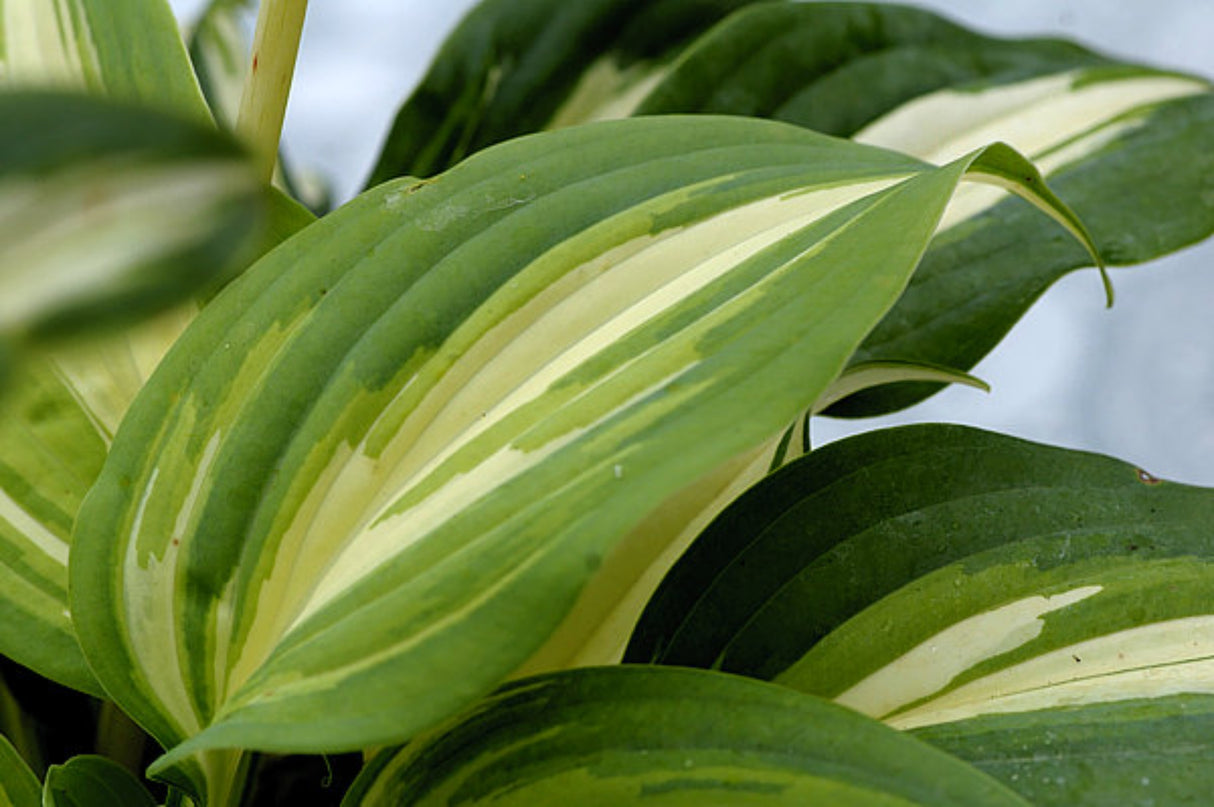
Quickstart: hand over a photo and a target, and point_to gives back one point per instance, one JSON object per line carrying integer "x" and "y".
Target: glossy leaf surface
{"x": 320, "y": 491}
{"x": 637, "y": 735}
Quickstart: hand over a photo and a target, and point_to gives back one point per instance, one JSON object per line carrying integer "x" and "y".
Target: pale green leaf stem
{"x": 263, "y": 104}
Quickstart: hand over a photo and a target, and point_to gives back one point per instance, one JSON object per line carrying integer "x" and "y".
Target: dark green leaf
{"x": 834, "y": 67}
{"x": 1144, "y": 194}
{"x": 91, "y": 781}
{"x": 931, "y": 573}
{"x": 511, "y": 65}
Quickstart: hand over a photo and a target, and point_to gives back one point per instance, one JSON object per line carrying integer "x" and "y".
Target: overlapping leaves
{"x": 108, "y": 210}
{"x": 626, "y": 735}
{"x": 909, "y": 80}
{"x": 391, "y": 459}
{"x": 1005, "y": 594}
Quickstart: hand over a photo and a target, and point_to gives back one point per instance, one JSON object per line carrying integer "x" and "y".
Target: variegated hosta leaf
{"x": 18, "y": 785}
{"x": 67, "y": 206}
{"x": 122, "y": 210}
{"x": 1126, "y": 146}
{"x": 93, "y": 781}
{"x": 519, "y": 66}
{"x": 640, "y": 735}
{"x": 51, "y": 452}
{"x": 128, "y": 50}
{"x": 1138, "y": 175}
{"x": 1145, "y": 751}
{"x": 934, "y": 574}
{"x": 382, "y": 464}
{"x": 835, "y": 67}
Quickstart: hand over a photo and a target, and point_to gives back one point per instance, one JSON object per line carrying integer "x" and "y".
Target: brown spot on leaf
{"x": 1145, "y": 478}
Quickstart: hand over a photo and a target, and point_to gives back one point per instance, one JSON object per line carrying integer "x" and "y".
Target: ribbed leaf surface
{"x": 385, "y": 461}
{"x": 636, "y": 735}
{"x": 1107, "y": 136}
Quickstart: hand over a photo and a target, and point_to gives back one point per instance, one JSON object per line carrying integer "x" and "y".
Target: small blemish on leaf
{"x": 1077, "y": 659}
{"x": 1146, "y": 479}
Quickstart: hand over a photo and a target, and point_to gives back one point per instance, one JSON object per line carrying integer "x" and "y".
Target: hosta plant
{"x": 436, "y": 498}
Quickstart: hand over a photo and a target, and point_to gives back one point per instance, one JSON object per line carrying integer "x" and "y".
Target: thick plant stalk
{"x": 264, "y": 102}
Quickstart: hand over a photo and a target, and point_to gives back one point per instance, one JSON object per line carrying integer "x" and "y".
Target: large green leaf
{"x": 937, "y": 574}
{"x": 518, "y": 66}
{"x": 92, "y": 781}
{"x": 18, "y": 785}
{"x": 128, "y": 50}
{"x": 384, "y": 462}
{"x": 632, "y": 735}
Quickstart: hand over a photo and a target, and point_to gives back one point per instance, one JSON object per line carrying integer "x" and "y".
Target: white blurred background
{"x": 1136, "y": 382}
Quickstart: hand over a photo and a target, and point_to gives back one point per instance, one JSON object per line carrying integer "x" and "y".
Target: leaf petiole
{"x": 264, "y": 102}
